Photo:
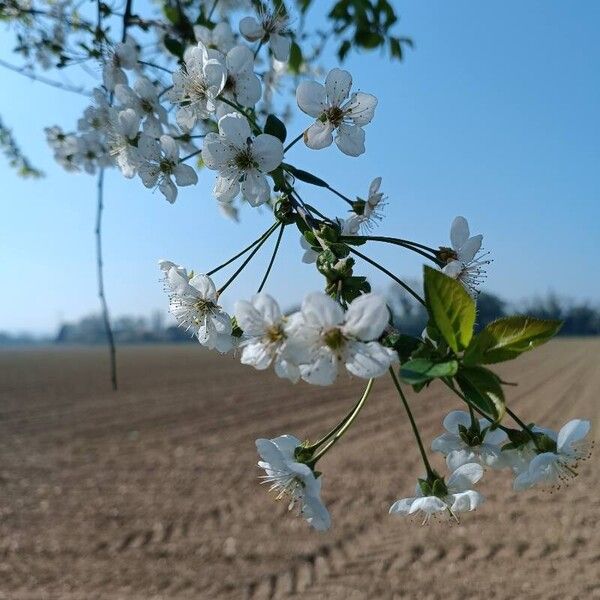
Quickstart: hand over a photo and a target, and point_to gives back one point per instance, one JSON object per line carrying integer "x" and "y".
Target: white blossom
{"x": 123, "y": 57}
{"x": 242, "y": 83}
{"x": 291, "y": 479}
{"x": 143, "y": 99}
{"x": 335, "y": 110}
{"x": 122, "y": 133}
{"x": 194, "y": 303}
{"x": 196, "y": 86}
{"x": 463, "y": 262}
{"x": 452, "y": 497}
{"x": 323, "y": 337}
{"x": 368, "y": 211}
{"x": 265, "y": 335}
{"x": 461, "y": 445}
{"x": 160, "y": 162}
{"x": 560, "y": 466}
{"x": 271, "y": 27}
{"x": 241, "y": 159}
{"x": 221, "y": 38}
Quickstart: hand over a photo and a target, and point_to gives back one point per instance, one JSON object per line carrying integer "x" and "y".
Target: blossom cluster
{"x": 218, "y": 108}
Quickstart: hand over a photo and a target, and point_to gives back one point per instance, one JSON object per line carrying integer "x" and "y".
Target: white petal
{"x": 319, "y": 310}
{"x": 249, "y": 318}
{"x": 255, "y": 188}
{"x": 235, "y": 128}
{"x": 248, "y": 89}
{"x": 465, "y": 501}
{"x": 428, "y": 504}
{"x": 268, "y": 152}
{"x": 257, "y": 355}
{"x": 169, "y": 147}
{"x": 315, "y": 513}
{"x": 186, "y": 118}
{"x": 226, "y": 188}
{"x": 446, "y": 443}
{"x": 572, "y": 432}
{"x": 217, "y": 153}
{"x": 311, "y": 98}
{"x": 149, "y": 148}
{"x": 280, "y": 45}
{"x": 129, "y": 122}
{"x": 205, "y": 287}
{"x": 287, "y": 445}
{"x": 185, "y": 175}
{"x": 455, "y": 418}
{"x": 368, "y": 360}
{"x": 323, "y": 371}
{"x": 267, "y": 306}
{"x": 464, "y": 477}
{"x": 459, "y": 232}
{"x": 470, "y": 248}
{"x": 366, "y": 317}
{"x": 239, "y": 59}
{"x": 402, "y": 507}
{"x": 168, "y": 189}
{"x": 337, "y": 85}
{"x": 495, "y": 437}
{"x": 350, "y": 139}
{"x": 319, "y": 135}
{"x": 251, "y": 29}
{"x": 148, "y": 174}
{"x": 361, "y": 108}
{"x": 458, "y": 458}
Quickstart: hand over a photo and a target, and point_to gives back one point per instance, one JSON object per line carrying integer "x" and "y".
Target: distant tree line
{"x": 580, "y": 319}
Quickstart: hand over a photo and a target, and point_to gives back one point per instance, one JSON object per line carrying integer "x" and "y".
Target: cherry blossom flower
{"x": 123, "y": 56}
{"x": 336, "y": 111}
{"x": 464, "y": 444}
{"x": 291, "y": 479}
{"x": 194, "y": 303}
{"x": 221, "y": 38}
{"x": 368, "y": 211}
{"x": 558, "y": 466}
{"x": 462, "y": 259}
{"x": 453, "y": 496}
{"x": 122, "y": 134}
{"x": 239, "y": 157}
{"x": 271, "y": 27}
{"x": 196, "y": 86}
{"x": 143, "y": 99}
{"x": 242, "y": 83}
{"x": 158, "y": 162}
{"x": 265, "y": 335}
{"x": 323, "y": 336}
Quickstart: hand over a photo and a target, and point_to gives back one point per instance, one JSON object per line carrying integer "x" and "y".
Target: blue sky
{"x": 493, "y": 116}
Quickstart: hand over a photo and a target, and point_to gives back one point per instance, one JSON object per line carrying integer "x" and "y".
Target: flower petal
{"x": 321, "y": 311}
{"x": 366, "y": 317}
{"x": 251, "y": 29}
{"x": 459, "y": 232}
{"x": 455, "y": 418}
{"x": 464, "y": 477}
{"x": 319, "y": 135}
{"x": 337, "y": 85}
{"x": 361, "y": 108}
{"x": 350, "y": 139}
{"x": 268, "y": 152}
{"x": 236, "y": 129}
{"x": 311, "y": 98}
{"x": 571, "y": 433}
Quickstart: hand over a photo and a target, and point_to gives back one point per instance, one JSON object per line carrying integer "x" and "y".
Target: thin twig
{"x": 275, "y": 250}
{"x": 100, "y": 272}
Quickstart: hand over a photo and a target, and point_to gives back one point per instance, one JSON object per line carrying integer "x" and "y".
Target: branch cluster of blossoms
{"x": 217, "y": 105}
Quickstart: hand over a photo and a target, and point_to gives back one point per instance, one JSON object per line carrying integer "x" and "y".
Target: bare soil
{"x": 153, "y": 493}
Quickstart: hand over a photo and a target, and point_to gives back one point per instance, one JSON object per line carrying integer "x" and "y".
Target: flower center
{"x": 333, "y": 338}
{"x": 166, "y": 166}
{"x": 244, "y": 160}
{"x": 147, "y": 106}
{"x": 447, "y": 254}
{"x": 335, "y": 115}
{"x": 275, "y": 334}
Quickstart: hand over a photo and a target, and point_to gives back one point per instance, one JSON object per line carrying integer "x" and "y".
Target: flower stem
{"x": 340, "y": 195}
{"x": 389, "y": 274}
{"x": 337, "y": 432}
{"x": 250, "y": 256}
{"x": 212, "y": 10}
{"x": 195, "y": 153}
{"x": 242, "y": 252}
{"x": 414, "y": 246}
{"x": 275, "y": 250}
{"x": 293, "y": 142}
{"x": 521, "y": 424}
{"x": 412, "y": 423}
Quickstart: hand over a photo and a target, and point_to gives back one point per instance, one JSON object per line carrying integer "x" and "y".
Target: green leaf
{"x": 274, "y": 126}
{"x": 174, "y": 47}
{"x": 295, "y": 61}
{"x": 509, "y": 337}
{"x": 482, "y": 387}
{"x": 420, "y": 370}
{"x": 450, "y": 308}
